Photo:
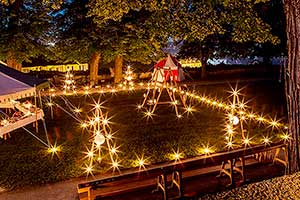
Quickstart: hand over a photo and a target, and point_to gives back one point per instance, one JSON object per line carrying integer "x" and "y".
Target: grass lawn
{"x": 24, "y": 161}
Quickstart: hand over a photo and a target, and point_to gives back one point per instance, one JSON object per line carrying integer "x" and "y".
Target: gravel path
{"x": 66, "y": 190}
{"x": 285, "y": 187}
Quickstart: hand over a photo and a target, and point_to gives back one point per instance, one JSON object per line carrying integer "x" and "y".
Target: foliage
{"x": 241, "y": 31}
{"x": 136, "y": 31}
{"x": 24, "y": 28}
{"x": 76, "y": 37}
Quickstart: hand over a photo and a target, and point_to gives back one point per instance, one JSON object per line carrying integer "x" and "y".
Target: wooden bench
{"x": 172, "y": 172}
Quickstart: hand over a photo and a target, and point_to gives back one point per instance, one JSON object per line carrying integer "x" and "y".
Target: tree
{"x": 23, "y": 25}
{"x": 135, "y": 35}
{"x": 273, "y": 14}
{"x": 78, "y": 39}
{"x": 233, "y": 24}
{"x": 292, "y": 80}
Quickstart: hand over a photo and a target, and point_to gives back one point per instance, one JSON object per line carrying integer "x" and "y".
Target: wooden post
{"x": 232, "y": 182}
{"x": 51, "y": 108}
{"x": 35, "y": 103}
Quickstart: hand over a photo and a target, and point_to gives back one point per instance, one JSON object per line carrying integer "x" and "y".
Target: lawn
{"x": 24, "y": 161}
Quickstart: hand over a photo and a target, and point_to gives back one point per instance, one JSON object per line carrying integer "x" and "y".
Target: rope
{"x": 36, "y": 137}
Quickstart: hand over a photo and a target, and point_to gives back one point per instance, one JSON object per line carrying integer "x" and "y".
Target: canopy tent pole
{"x": 51, "y": 108}
{"x": 43, "y": 120}
{"x": 35, "y": 103}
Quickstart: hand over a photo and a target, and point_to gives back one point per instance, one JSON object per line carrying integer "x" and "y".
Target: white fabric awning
{"x": 11, "y": 89}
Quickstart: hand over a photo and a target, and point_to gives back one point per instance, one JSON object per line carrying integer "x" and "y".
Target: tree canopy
{"x": 240, "y": 30}
{"x": 24, "y": 30}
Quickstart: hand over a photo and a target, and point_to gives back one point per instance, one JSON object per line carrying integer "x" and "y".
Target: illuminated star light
{"x": 286, "y": 137}
{"x": 84, "y": 125}
{"x": 106, "y": 120}
{"x": 176, "y": 156}
{"x": 246, "y": 142}
{"x": 148, "y": 114}
{"x": 235, "y": 91}
{"x": 141, "y": 162}
{"x": 115, "y": 165}
{"x": 274, "y": 123}
{"x": 267, "y": 140}
{"x": 229, "y": 145}
{"x": 88, "y": 169}
{"x": 189, "y": 109}
{"x": 114, "y": 149}
{"x": 53, "y": 149}
{"x": 206, "y": 150}
{"x": 77, "y": 110}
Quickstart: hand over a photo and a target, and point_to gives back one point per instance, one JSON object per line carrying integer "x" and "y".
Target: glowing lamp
{"x": 141, "y": 162}
{"x": 234, "y": 120}
{"x": 99, "y": 139}
{"x": 105, "y": 121}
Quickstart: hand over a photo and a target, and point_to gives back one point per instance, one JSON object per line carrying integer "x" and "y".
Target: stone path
{"x": 65, "y": 190}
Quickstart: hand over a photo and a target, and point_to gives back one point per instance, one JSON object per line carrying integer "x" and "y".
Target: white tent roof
{"x": 170, "y": 64}
{"x": 10, "y": 85}
{"x": 16, "y": 85}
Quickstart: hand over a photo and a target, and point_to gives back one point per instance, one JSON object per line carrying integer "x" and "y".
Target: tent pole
{"x": 43, "y": 120}
{"x": 51, "y": 108}
{"x": 46, "y": 132}
{"x": 35, "y": 103}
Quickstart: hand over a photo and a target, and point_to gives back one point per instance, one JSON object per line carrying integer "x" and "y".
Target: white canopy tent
{"x": 12, "y": 89}
{"x": 16, "y": 85}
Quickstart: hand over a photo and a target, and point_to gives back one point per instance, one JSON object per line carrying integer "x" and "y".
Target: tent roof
{"x": 20, "y": 76}
{"x": 169, "y": 62}
{"x": 16, "y": 85}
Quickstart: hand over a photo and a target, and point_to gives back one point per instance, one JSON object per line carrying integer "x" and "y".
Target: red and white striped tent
{"x": 168, "y": 69}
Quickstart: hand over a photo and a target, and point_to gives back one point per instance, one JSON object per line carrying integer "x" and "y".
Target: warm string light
{"x": 240, "y": 114}
{"x": 203, "y": 99}
{"x": 128, "y": 79}
{"x": 54, "y": 149}
{"x": 69, "y": 83}
{"x": 141, "y": 162}
{"x": 242, "y": 106}
{"x": 205, "y": 150}
{"x": 98, "y": 126}
{"x": 176, "y": 155}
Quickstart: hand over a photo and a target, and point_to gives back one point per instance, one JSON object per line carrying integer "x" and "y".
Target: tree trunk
{"x": 94, "y": 66}
{"x": 118, "y": 68}
{"x": 12, "y": 62}
{"x": 292, "y": 80}
{"x": 203, "y": 67}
